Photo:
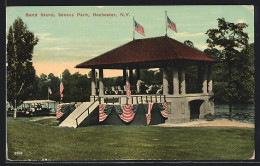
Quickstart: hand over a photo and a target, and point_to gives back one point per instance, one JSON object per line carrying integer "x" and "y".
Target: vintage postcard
{"x": 91, "y": 83}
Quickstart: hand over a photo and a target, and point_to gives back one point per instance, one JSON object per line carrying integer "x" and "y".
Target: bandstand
{"x": 165, "y": 53}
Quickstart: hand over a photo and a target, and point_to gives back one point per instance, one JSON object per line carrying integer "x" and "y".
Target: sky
{"x": 65, "y": 41}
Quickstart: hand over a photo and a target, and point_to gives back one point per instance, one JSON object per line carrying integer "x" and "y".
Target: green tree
{"x": 189, "y": 43}
{"x": 54, "y": 84}
{"x": 231, "y": 41}
{"x": 76, "y": 87}
{"x": 20, "y": 70}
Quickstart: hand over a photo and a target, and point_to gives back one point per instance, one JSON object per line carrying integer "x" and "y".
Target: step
{"x": 70, "y": 121}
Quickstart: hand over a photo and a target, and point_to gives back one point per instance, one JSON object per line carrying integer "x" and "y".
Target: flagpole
{"x": 133, "y": 28}
{"x": 166, "y": 21}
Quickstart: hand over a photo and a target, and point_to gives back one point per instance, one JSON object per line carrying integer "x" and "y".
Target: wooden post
{"x": 93, "y": 82}
{"x": 175, "y": 81}
{"x": 209, "y": 79}
{"x": 182, "y": 81}
{"x": 165, "y": 82}
{"x": 101, "y": 85}
{"x": 204, "y": 80}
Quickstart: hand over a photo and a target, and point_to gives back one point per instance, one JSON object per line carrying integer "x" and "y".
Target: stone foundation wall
{"x": 179, "y": 111}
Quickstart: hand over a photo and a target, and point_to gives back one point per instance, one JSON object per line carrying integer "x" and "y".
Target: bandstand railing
{"x": 133, "y": 99}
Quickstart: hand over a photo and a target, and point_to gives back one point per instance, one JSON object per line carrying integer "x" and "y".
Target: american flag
{"x": 128, "y": 88}
{"x": 171, "y": 25}
{"x": 149, "y": 115}
{"x": 59, "y": 113}
{"x": 139, "y": 28}
{"x": 49, "y": 89}
{"x": 61, "y": 89}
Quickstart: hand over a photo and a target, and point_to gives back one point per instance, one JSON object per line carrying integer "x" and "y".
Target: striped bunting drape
{"x": 128, "y": 112}
{"x": 149, "y": 115}
{"x": 103, "y": 112}
{"x": 164, "y": 109}
{"x": 58, "y": 112}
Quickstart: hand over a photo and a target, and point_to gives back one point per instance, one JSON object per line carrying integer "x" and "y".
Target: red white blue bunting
{"x": 102, "y": 115}
{"x": 58, "y": 112}
{"x": 149, "y": 115}
{"x": 128, "y": 113}
{"x": 164, "y": 112}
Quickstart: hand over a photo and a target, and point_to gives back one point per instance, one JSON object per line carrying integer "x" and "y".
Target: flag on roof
{"x": 171, "y": 24}
{"x": 49, "y": 90}
{"x": 139, "y": 28}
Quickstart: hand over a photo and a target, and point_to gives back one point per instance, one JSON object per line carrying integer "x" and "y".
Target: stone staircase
{"x": 79, "y": 114}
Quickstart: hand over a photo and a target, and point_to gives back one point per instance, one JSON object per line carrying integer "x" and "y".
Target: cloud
{"x": 45, "y": 36}
{"x": 58, "y": 48}
{"x": 201, "y": 46}
{"x": 240, "y": 21}
{"x": 187, "y": 34}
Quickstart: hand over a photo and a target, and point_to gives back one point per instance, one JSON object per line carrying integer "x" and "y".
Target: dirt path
{"x": 215, "y": 123}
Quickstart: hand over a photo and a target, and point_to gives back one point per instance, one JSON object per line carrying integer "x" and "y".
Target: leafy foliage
{"x": 20, "y": 70}
{"x": 234, "y": 75}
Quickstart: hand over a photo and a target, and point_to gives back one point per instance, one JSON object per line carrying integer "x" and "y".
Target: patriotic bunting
{"x": 103, "y": 112}
{"x": 128, "y": 112}
{"x": 149, "y": 115}
{"x": 59, "y": 113}
{"x": 163, "y": 109}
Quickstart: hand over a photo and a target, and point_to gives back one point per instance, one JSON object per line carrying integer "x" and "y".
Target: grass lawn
{"x": 44, "y": 140}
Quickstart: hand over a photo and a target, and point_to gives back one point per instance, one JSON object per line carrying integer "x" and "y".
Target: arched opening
{"x": 195, "y": 109}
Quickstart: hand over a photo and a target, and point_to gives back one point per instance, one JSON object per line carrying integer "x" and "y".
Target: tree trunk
{"x": 15, "y": 108}
{"x": 230, "y": 107}
{"x": 229, "y": 88}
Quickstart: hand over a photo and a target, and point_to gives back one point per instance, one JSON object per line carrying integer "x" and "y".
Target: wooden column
{"x": 199, "y": 83}
{"x": 204, "y": 80}
{"x": 101, "y": 85}
{"x": 175, "y": 81}
{"x": 138, "y": 83}
{"x": 165, "y": 82}
{"x": 182, "y": 81}
{"x": 124, "y": 77}
{"x": 209, "y": 79}
{"x": 93, "y": 82}
{"x": 131, "y": 77}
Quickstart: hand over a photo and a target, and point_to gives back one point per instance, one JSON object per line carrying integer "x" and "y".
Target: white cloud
{"x": 45, "y": 36}
{"x": 201, "y": 46}
{"x": 187, "y": 34}
{"x": 240, "y": 21}
{"x": 58, "y": 48}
